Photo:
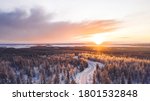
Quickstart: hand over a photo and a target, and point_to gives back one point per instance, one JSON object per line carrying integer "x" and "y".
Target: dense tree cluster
{"x": 55, "y": 65}
{"x": 53, "y": 69}
{"x": 120, "y": 70}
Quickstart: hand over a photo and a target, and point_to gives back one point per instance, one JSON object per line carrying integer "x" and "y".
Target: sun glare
{"x": 97, "y": 39}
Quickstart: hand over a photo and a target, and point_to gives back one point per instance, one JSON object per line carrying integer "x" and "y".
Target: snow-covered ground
{"x": 86, "y": 77}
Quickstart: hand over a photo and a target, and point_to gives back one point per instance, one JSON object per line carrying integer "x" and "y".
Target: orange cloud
{"x": 98, "y": 26}
{"x": 39, "y": 27}
{"x": 67, "y": 31}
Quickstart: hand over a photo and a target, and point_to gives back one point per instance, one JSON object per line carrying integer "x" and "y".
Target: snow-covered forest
{"x": 70, "y": 67}
{"x": 54, "y": 69}
{"x": 120, "y": 70}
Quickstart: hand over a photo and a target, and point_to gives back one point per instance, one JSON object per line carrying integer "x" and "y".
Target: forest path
{"x": 86, "y": 76}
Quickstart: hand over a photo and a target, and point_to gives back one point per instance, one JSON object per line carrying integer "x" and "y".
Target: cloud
{"x": 37, "y": 26}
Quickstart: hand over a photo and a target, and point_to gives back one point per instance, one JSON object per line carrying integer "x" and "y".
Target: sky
{"x": 71, "y": 21}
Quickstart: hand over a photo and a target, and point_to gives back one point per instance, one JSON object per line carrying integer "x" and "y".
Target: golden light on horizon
{"x": 97, "y": 39}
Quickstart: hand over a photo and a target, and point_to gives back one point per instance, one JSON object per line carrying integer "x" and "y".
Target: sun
{"x": 97, "y": 39}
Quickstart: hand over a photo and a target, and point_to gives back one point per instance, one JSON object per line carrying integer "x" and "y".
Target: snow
{"x": 75, "y": 57}
{"x": 61, "y": 80}
{"x": 86, "y": 77}
{"x": 36, "y": 78}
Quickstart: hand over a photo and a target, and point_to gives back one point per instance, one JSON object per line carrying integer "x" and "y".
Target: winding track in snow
{"x": 86, "y": 76}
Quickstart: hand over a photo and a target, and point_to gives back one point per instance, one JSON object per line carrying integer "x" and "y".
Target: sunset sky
{"x": 70, "y": 21}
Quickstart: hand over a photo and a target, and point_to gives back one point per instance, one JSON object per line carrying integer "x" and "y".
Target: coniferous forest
{"x": 66, "y": 65}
